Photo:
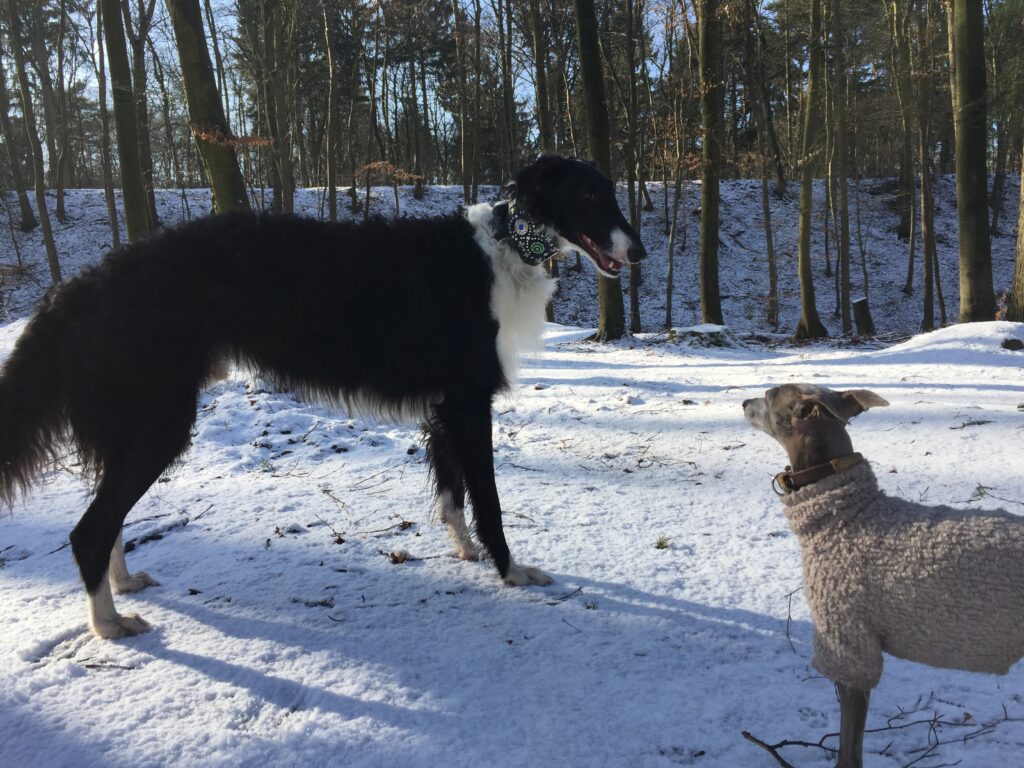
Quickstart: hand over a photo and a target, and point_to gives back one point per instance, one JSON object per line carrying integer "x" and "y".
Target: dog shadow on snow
{"x": 404, "y": 642}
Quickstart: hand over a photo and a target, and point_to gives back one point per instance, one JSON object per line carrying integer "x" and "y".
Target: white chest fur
{"x": 518, "y": 296}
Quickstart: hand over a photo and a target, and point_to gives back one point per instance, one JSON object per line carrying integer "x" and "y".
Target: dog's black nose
{"x": 747, "y": 402}
{"x": 635, "y": 254}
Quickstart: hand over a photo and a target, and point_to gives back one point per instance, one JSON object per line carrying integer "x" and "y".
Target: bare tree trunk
{"x": 758, "y": 80}
{"x": 40, "y": 60}
{"x": 105, "y": 152}
{"x": 275, "y": 87}
{"x": 977, "y": 297}
{"x": 332, "y": 120}
{"x": 28, "y": 217}
{"x": 477, "y": 74}
{"x": 417, "y": 166}
{"x": 1015, "y": 306}
{"x": 678, "y": 201}
{"x": 712, "y": 103}
{"x": 133, "y": 193}
{"x": 632, "y": 158}
{"x": 924, "y": 90}
{"x": 611, "y": 313}
{"x": 460, "y": 61}
{"x": 206, "y": 113}
{"x": 842, "y": 162}
{"x": 358, "y": 30}
{"x": 772, "y": 304}
{"x": 137, "y": 43}
{"x": 810, "y": 325}
{"x": 999, "y": 177}
{"x": 545, "y": 135}
{"x": 33, "y": 137}
{"x": 63, "y": 118}
{"x": 165, "y": 100}
{"x": 218, "y": 61}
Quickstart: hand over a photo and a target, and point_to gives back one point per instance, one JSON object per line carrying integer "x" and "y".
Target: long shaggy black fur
{"x": 393, "y": 314}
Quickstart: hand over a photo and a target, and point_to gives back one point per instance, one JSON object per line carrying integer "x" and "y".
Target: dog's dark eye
{"x": 804, "y": 410}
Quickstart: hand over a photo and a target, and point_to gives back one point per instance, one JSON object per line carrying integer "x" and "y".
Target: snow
{"x": 286, "y": 635}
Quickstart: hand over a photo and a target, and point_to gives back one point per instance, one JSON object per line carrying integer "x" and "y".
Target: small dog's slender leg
{"x": 121, "y": 581}
{"x": 853, "y": 715}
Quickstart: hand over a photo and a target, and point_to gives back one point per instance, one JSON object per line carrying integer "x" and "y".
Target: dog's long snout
{"x": 636, "y": 254}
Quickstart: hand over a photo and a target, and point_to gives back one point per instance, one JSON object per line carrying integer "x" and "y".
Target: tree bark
{"x": 33, "y": 138}
{"x": 632, "y": 156}
{"x": 1015, "y": 307}
{"x": 977, "y": 297}
{"x": 28, "y": 217}
{"x": 206, "y": 113}
{"x": 133, "y": 193}
{"x": 712, "y": 102}
{"x": 925, "y": 84}
{"x": 544, "y": 134}
{"x": 842, "y": 163}
{"x": 40, "y": 59}
{"x": 611, "y": 310}
{"x": 460, "y": 61}
{"x": 105, "y": 150}
{"x": 137, "y": 43}
{"x": 331, "y": 129}
{"x": 477, "y": 74}
{"x": 810, "y": 325}
{"x": 757, "y": 79}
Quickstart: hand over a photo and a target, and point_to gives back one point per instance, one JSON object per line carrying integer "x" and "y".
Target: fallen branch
{"x": 773, "y": 749}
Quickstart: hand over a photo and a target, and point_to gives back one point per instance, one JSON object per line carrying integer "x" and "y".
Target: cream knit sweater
{"x": 937, "y": 585}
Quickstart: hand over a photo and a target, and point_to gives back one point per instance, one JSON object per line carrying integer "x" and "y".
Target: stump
{"x": 862, "y": 317}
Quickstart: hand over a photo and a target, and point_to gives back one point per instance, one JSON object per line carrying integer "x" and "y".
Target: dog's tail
{"x": 33, "y": 404}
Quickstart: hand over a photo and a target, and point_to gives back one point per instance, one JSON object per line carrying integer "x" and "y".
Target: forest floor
{"x": 286, "y": 635}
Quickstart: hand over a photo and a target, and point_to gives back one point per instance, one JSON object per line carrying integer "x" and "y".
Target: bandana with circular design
{"x": 531, "y": 240}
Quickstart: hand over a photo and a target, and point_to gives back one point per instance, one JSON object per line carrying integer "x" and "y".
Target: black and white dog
{"x": 419, "y": 318}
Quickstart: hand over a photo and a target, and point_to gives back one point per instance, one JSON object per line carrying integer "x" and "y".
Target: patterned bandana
{"x": 530, "y": 240}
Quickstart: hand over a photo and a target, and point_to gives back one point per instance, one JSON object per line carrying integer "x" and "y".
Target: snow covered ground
{"x": 286, "y": 635}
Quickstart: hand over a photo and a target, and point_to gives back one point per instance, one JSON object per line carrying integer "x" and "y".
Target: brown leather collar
{"x": 789, "y": 481}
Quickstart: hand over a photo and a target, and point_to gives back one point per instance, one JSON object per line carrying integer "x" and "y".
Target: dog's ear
{"x": 856, "y": 401}
{"x": 840, "y": 405}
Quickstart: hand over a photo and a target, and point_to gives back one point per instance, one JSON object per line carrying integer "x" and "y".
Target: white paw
{"x": 521, "y": 575}
{"x": 134, "y": 583}
{"x": 466, "y": 550}
{"x": 120, "y": 626}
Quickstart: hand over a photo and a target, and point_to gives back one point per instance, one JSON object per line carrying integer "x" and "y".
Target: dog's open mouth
{"x": 606, "y": 265}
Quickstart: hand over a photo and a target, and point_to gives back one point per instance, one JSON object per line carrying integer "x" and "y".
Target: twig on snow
{"x": 566, "y": 596}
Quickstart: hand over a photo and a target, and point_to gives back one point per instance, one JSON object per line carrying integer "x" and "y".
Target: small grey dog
{"x": 936, "y": 585}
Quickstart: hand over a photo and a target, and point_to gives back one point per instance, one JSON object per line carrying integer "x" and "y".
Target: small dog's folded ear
{"x": 856, "y": 401}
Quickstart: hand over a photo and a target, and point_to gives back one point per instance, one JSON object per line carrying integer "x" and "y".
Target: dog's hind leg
{"x": 451, "y": 490}
{"x": 467, "y": 425}
{"x": 125, "y": 479}
{"x": 121, "y": 581}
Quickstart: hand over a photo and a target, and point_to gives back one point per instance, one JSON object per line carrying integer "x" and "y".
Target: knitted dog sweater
{"x": 937, "y": 585}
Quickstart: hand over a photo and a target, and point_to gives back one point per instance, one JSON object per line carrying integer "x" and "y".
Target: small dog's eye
{"x": 804, "y": 410}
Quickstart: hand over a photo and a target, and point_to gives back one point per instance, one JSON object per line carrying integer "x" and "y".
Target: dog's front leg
{"x": 467, "y": 423}
{"x": 853, "y": 715}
